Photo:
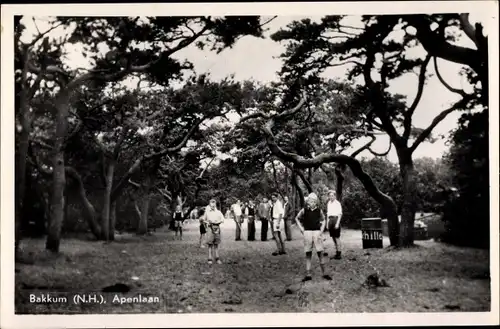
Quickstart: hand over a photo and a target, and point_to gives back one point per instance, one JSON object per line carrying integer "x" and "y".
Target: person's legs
{"x": 335, "y": 234}
{"x": 180, "y": 231}
{"x": 308, "y": 250}
{"x": 216, "y": 251}
{"x": 251, "y": 229}
{"x": 263, "y": 230}
{"x": 210, "y": 246}
{"x": 238, "y": 228}
{"x": 318, "y": 244}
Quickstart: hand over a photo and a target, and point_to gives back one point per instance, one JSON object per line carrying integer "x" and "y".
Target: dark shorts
{"x": 334, "y": 232}
{"x": 213, "y": 235}
{"x": 203, "y": 229}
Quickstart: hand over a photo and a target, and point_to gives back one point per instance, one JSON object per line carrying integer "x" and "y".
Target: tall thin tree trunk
{"x": 112, "y": 222}
{"x": 89, "y": 212}
{"x": 408, "y": 208}
{"x": 59, "y": 176}
{"x": 20, "y": 189}
{"x": 105, "y": 217}
{"x": 142, "y": 228}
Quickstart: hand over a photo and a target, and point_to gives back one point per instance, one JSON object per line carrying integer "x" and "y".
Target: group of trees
{"x": 88, "y": 147}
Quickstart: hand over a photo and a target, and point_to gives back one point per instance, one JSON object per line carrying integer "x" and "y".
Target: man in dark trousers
{"x": 288, "y": 219}
{"x": 263, "y": 213}
{"x": 250, "y": 215}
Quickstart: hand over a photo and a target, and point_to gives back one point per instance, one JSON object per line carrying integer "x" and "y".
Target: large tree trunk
{"x": 339, "y": 175}
{"x": 142, "y": 227}
{"x": 408, "y": 209}
{"x": 58, "y": 176}
{"x": 20, "y": 189}
{"x": 105, "y": 217}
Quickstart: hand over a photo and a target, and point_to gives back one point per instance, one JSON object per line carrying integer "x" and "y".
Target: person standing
{"x": 212, "y": 218}
{"x": 263, "y": 213}
{"x": 203, "y": 227}
{"x": 178, "y": 221}
{"x": 334, "y": 215}
{"x": 277, "y": 213}
{"x": 237, "y": 215}
{"x": 311, "y": 223}
{"x": 250, "y": 215}
{"x": 288, "y": 219}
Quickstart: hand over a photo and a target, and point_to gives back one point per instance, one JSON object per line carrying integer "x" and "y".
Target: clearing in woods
{"x": 432, "y": 277}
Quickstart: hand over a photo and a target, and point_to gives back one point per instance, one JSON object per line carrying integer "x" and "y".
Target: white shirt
{"x": 236, "y": 209}
{"x": 333, "y": 208}
{"x": 278, "y": 210}
{"x": 213, "y": 216}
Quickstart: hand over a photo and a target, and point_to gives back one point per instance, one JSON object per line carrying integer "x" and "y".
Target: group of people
{"x": 313, "y": 222}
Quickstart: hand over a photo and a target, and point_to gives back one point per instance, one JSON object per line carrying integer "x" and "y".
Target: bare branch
{"x": 440, "y": 117}
{"x": 364, "y": 147}
{"x": 383, "y": 154}
{"x": 41, "y": 35}
{"x": 450, "y": 88}
{"x": 409, "y": 113}
{"x": 467, "y": 27}
{"x": 134, "y": 183}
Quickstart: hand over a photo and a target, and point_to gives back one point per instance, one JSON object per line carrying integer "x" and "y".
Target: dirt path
{"x": 432, "y": 277}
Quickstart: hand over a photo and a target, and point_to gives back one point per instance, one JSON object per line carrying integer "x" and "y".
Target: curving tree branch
{"x": 441, "y": 79}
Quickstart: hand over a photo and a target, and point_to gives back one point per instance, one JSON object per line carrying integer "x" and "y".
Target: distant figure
{"x": 250, "y": 215}
{"x": 288, "y": 219}
{"x": 203, "y": 228}
{"x": 213, "y": 217}
{"x": 333, "y": 215}
{"x": 311, "y": 222}
{"x": 277, "y": 213}
{"x": 263, "y": 212}
{"x": 237, "y": 215}
{"x": 194, "y": 215}
{"x": 178, "y": 221}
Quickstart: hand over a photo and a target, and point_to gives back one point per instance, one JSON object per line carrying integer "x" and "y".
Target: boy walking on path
{"x": 213, "y": 217}
{"x": 178, "y": 221}
{"x": 277, "y": 213}
{"x": 311, "y": 222}
{"x": 333, "y": 215}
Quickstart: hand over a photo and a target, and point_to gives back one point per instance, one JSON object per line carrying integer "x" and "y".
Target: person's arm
{"x": 299, "y": 216}
{"x": 339, "y": 213}
{"x": 281, "y": 211}
{"x": 322, "y": 220}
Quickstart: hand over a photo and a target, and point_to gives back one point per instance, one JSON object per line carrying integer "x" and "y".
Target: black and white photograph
{"x": 249, "y": 164}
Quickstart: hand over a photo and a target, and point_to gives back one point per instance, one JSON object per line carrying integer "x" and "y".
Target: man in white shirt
{"x": 333, "y": 215}
{"x": 277, "y": 213}
{"x": 237, "y": 215}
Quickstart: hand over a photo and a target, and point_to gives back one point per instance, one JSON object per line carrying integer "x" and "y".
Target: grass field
{"x": 431, "y": 277}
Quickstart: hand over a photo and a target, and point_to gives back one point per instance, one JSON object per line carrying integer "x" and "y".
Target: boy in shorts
{"x": 333, "y": 215}
{"x": 178, "y": 221}
{"x": 311, "y": 222}
{"x": 213, "y": 217}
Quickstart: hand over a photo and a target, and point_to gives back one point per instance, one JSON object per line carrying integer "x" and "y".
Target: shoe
{"x": 327, "y": 277}
{"x": 276, "y": 253}
{"x": 307, "y": 278}
{"x": 337, "y": 256}
{"x": 219, "y": 261}
{"x": 325, "y": 254}
{"x": 283, "y": 253}
{"x": 210, "y": 262}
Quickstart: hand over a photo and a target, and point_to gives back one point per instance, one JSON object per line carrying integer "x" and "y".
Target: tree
{"x": 372, "y": 51}
{"x": 124, "y": 37}
{"x": 468, "y": 215}
{"x": 268, "y": 122}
